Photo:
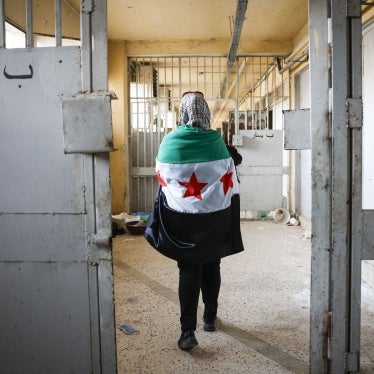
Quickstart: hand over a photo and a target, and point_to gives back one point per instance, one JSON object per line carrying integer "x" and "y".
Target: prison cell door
{"x": 261, "y": 171}
{"x": 342, "y": 230}
{"x": 56, "y": 286}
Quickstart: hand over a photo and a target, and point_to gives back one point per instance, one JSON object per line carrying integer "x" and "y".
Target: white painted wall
{"x": 368, "y": 130}
{"x": 305, "y": 156}
{"x": 278, "y": 125}
{"x": 368, "y": 137}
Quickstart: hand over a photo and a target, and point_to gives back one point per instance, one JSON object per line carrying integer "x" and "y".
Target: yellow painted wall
{"x": 117, "y": 82}
{"x": 204, "y": 47}
{"x": 367, "y": 14}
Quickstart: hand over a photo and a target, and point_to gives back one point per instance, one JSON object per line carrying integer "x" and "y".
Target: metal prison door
{"x": 342, "y": 230}
{"x": 56, "y": 286}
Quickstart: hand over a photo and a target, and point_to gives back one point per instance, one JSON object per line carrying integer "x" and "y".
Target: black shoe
{"x": 210, "y": 325}
{"x": 187, "y": 340}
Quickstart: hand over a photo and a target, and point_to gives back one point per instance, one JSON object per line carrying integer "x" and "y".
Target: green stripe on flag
{"x": 187, "y": 144}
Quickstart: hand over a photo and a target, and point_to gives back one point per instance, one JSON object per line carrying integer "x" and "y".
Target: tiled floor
{"x": 263, "y": 308}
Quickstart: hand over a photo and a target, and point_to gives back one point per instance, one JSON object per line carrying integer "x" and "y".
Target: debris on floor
{"x": 129, "y": 330}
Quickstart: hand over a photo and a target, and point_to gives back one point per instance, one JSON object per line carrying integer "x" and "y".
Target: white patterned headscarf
{"x": 194, "y": 111}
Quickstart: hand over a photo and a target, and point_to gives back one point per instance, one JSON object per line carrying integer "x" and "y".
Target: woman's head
{"x": 194, "y": 110}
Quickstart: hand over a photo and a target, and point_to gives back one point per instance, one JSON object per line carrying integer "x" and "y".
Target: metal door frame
{"x": 95, "y": 79}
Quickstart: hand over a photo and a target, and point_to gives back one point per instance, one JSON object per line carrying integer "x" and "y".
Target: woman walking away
{"x": 196, "y": 217}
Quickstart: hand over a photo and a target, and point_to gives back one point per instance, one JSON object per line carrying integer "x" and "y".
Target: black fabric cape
{"x": 194, "y": 238}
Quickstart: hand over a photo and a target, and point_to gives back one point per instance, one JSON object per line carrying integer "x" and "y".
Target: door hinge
{"x": 351, "y": 361}
{"x": 353, "y": 8}
{"x": 329, "y": 330}
{"x": 354, "y": 114}
{"x": 87, "y": 6}
{"x": 102, "y": 238}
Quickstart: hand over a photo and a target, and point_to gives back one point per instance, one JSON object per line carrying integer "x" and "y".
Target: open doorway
{"x": 242, "y": 116}
{"x": 265, "y": 292}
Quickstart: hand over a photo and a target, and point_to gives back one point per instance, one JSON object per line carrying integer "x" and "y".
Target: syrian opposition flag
{"x": 197, "y": 213}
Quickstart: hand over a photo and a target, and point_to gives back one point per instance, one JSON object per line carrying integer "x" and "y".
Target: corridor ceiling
{"x": 204, "y": 19}
{"x": 270, "y": 26}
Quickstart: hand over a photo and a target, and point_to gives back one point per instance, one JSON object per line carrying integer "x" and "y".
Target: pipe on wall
{"x": 241, "y": 9}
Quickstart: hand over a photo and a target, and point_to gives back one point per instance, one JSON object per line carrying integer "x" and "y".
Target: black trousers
{"x": 192, "y": 278}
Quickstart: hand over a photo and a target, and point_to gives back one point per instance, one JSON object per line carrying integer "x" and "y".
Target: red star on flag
{"x": 193, "y": 187}
{"x": 227, "y": 182}
{"x": 161, "y": 181}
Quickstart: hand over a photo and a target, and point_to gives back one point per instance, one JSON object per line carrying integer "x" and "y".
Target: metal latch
{"x": 237, "y": 140}
{"x": 87, "y": 122}
{"x": 297, "y": 129}
{"x": 351, "y": 361}
{"x": 354, "y": 114}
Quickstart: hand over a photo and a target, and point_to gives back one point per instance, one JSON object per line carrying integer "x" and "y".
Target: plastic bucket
{"x": 281, "y": 216}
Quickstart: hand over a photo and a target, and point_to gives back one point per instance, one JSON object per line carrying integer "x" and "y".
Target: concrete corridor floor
{"x": 263, "y": 324}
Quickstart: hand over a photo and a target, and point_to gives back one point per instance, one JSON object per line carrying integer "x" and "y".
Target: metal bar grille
{"x": 29, "y": 25}
{"x": 262, "y": 87}
{"x": 2, "y": 24}
{"x": 43, "y": 35}
{"x": 58, "y": 31}
{"x": 86, "y": 51}
{"x": 252, "y": 88}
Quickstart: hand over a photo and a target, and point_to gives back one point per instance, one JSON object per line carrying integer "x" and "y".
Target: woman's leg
{"x": 210, "y": 286}
{"x": 189, "y": 291}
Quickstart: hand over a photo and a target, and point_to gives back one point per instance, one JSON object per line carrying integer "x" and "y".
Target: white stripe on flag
{"x": 198, "y": 187}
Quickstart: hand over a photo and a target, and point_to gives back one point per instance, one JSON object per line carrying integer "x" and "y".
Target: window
{"x": 14, "y": 37}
